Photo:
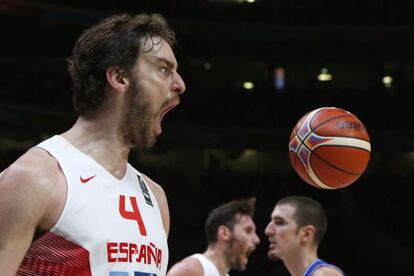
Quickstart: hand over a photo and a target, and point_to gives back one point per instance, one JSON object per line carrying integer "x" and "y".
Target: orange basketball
{"x": 329, "y": 148}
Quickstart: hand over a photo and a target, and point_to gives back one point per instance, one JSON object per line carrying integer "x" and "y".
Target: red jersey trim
{"x": 52, "y": 255}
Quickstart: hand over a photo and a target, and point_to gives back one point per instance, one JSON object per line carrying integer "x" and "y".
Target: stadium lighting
{"x": 248, "y": 85}
{"x": 324, "y": 75}
{"x": 387, "y": 81}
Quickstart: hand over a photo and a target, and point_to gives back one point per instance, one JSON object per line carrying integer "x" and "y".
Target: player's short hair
{"x": 227, "y": 215}
{"x": 114, "y": 41}
{"x": 307, "y": 212}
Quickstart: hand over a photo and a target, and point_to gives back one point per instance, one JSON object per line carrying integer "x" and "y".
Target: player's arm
{"x": 159, "y": 193}
{"x": 187, "y": 267}
{"x": 23, "y": 206}
{"x": 327, "y": 271}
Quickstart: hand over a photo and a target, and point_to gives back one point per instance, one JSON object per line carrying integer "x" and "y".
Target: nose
{"x": 256, "y": 239}
{"x": 178, "y": 85}
{"x": 269, "y": 230}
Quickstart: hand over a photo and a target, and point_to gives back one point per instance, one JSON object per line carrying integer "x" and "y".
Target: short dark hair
{"x": 227, "y": 215}
{"x": 307, "y": 212}
{"x": 114, "y": 41}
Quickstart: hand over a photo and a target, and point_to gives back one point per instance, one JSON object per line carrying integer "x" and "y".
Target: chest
{"x": 106, "y": 209}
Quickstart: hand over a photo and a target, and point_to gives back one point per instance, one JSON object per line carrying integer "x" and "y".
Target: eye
{"x": 279, "y": 222}
{"x": 165, "y": 71}
{"x": 249, "y": 230}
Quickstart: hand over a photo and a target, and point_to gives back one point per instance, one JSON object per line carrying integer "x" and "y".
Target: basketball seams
{"x": 332, "y": 165}
{"x": 341, "y": 141}
{"x": 345, "y": 136}
{"x": 311, "y": 171}
{"x": 295, "y": 165}
{"x": 296, "y": 156}
{"x": 302, "y": 142}
{"x": 313, "y": 130}
{"x": 318, "y": 126}
{"x": 312, "y": 174}
{"x": 327, "y": 120}
{"x": 311, "y": 114}
{"x": 329, "y": 164}
{"x": 295, "y": 131}
{"x": 308, "y": 119}
{"x": 339, "y": 145}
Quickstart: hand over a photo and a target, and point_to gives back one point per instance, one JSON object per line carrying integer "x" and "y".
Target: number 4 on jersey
{"x": 132, "y": 215}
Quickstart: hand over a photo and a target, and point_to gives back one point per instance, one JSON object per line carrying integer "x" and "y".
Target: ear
{"x": 223, "y": 233}
{"x": 116, "y": 79}
{"x": 307, "y": 234}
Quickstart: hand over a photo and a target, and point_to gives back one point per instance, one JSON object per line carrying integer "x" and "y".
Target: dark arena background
{"x": 252, "y": 69}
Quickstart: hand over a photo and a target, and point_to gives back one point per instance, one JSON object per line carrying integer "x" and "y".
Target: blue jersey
{"x": 317, "y": 264}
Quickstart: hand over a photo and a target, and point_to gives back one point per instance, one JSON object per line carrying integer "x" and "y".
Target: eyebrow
{"x": 170, "y": 64}
{"x": 276, "y": 217}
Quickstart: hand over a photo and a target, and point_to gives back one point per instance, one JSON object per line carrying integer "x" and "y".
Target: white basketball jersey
{"x": 209, "y": 268}
{"x": 107, "y": 227}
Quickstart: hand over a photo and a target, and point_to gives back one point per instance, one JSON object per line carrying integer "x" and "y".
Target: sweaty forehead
{"x": 156, "y": 49}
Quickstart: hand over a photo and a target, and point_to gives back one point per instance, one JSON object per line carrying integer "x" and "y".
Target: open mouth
{"x": 272, "y": 244}
{"x": 249, "y": 251}
{"x": 169, "y": 107}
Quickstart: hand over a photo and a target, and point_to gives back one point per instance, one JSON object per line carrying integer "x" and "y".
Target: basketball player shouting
{"x": 296, "y": 228}
{"x": 73, "y": 205}
{"x": 231, "y": 237}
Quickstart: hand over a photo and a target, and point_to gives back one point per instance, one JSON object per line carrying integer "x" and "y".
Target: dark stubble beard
{"x": 136, "y": 128}
{"x": 233, "y": 253}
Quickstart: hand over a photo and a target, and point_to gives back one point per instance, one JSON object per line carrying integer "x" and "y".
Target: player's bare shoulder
{"x": 35, "y": 169}
{"x": 155, "y": 187}
{"x": 34, "y": 181}
{"x": 327, "y": 271}
{"x": 187, "y": 267}
{"x": 29, "y": 191}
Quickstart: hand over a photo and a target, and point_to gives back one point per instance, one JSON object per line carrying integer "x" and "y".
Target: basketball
{"x": 329, "y": 148}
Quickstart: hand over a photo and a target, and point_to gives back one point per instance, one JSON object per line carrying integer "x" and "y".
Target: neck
{"x": 100, "y": 140}
{"x": 298, "y": 262}
{"x": 216, "y": 255}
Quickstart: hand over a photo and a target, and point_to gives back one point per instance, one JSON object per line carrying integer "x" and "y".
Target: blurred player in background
{"x": 231, "y": 236}
{"x": 297, "y": 226}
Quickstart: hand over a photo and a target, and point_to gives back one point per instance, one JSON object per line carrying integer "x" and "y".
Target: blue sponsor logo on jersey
{"x": 118, "y": 273}
{"x": 125, "y": 273}
{"x": 137, "y": 273}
